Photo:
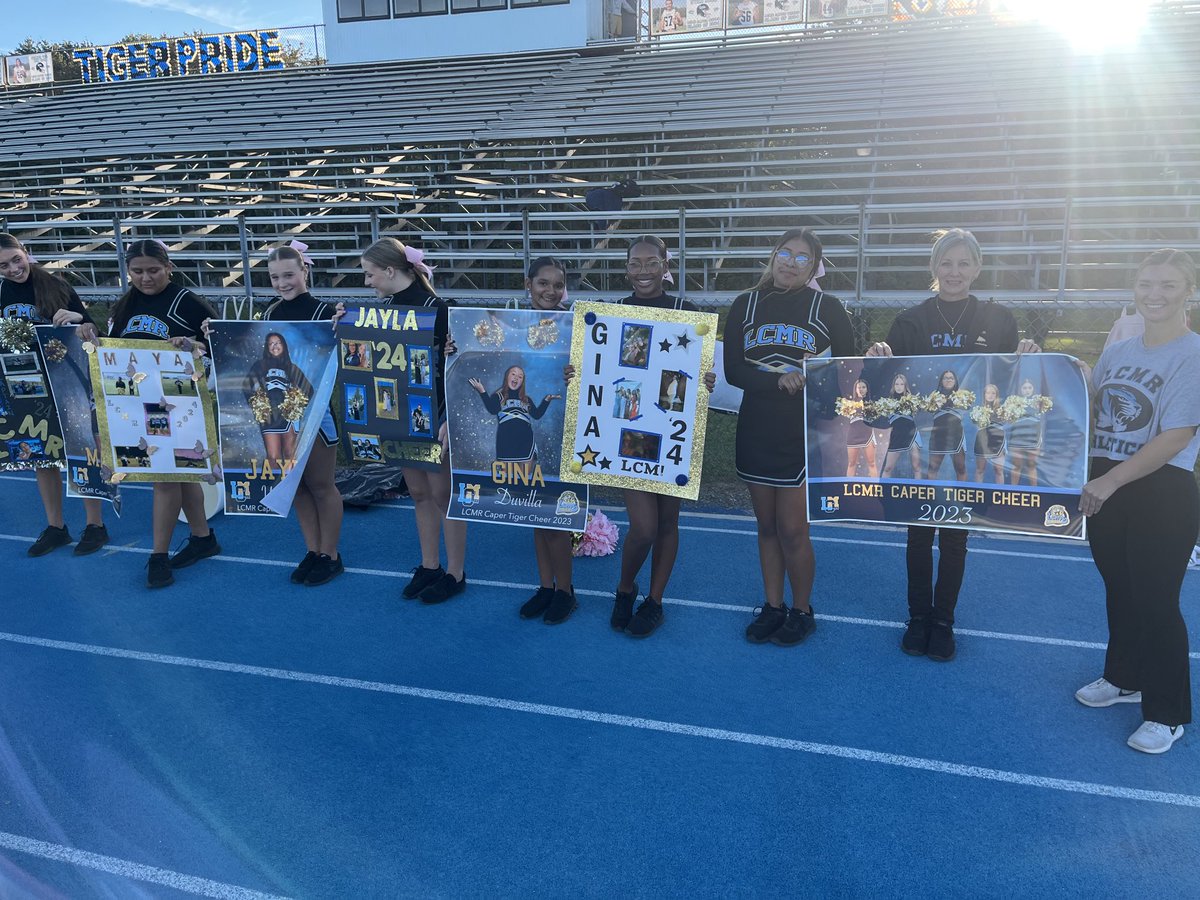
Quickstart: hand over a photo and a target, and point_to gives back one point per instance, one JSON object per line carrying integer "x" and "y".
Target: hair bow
{"x": 301, "y": 248}
{"x": 820, "y": 273}
{"x": 416, "y": 259}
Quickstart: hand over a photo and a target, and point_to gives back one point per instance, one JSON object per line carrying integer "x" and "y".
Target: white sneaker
{"x": 1154, "y": 737}
{"x": 1101, "y": 693}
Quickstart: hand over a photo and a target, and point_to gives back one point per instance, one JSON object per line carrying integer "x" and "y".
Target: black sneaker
{"x": 421, "y": 579}
{"x": 916, "y": 636}
{"x": 93, "y": 538}
{"x": 158, "y": 571}
{"x": 941, "y": 641}
{"x": 444, "y": 588}
{"x": 560, "y": 607}
{"x": 798, "y": 626}
{"x": 767, "y": 620}
{"x": 301, "y": 571}
{"x": 623, "y": 609}
{"x": 196, "y": 549}
{"x": 324, "y": 570}
{"x": 647, "y": 618}
{"x": 537, "y": 604}
{"x": 50, "y": 539}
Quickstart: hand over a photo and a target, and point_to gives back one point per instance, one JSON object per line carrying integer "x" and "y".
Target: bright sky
{"x": 103, "y": 21}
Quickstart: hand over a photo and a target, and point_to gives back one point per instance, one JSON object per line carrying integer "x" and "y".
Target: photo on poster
{"x": 356, "y": 355}
{"x": 627, "y": 399}
{"x": 385, "y": 398}
{"x": 26, "y": 450}
{"x": 188, "y": 458}
{"x": 635, "y": 345}
{"x": 365, "y": 447}
{"x": 158, "y": 419}
{"x": 672, "y": 390}
{"x": 119, "y": 384}
{"x": 744, "y": 13}
{"x": 27, "y": 386}
{"x": 669, "y": 16}
{"x": 420, "y": 415}
{"x": 20, "y": 363}
{"x": 355, "y": 404}
{"x": 418, "y": 367}
{"x": 178, "y": 384}
{"x": 643, "y": 445}
{"x": 132, "y": 456}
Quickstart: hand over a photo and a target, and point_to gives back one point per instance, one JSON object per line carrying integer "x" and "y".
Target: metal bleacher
{"x": 1068, "y": 166}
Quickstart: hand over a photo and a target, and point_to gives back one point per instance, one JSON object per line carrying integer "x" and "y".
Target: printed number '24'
{"x": 389, "y": 357}
{"x": 675, "y": 454}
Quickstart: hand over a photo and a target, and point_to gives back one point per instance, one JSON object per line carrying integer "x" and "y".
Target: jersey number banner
{"x": 504, "y": 405}
{"x": 71, "y": 386}
{"x": 30, "y": 437}
{"x": 637, "y": 408}
{"x": 386, "y": 376}
{"x": 154, "y": 412}
{"x": 979, "y": 441}
{"x": 274, "y": 380}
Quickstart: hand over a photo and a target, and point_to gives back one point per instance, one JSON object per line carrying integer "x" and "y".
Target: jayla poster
{"x": 505, "y": 408}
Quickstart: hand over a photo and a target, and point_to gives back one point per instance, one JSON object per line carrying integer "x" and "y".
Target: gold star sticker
{"x": 587, "y": 455}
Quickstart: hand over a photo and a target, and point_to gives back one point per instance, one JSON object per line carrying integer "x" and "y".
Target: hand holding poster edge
{"x": 589, "y": 314}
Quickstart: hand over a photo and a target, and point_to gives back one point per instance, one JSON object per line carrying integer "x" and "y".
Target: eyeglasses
{"x": 635, "y": 266}
{"x": 800, "y": 259}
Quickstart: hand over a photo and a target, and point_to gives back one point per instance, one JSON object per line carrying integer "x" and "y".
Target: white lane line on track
{"x": 601, "y": 718}
{"x": 672, "y": 601}
{"x": 190, "y": 884}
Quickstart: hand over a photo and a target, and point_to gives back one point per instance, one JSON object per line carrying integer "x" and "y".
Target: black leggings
{"x": 923, "y": 598}
{"x": 1141, "y": 541}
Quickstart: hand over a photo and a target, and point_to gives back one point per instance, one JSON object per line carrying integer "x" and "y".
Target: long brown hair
{"x": 144, "y": 247}
{"x": 388, "y": 253}
{"x": 809, "y": 236}
{"x": 50, "y": 293}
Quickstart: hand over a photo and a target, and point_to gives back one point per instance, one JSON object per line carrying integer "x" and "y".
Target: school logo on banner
{"x": 505, "y": 408}
{"x": 980, "y": 441}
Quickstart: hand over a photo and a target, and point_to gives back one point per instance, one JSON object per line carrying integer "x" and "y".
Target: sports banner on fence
{"x": 504, "y": 405}
{"x": 70, "y": 383}
{"x": 274, "y": 381}
{"x": 840, "y": 10}
{"x": 30, "y": 437}
{"x": 980, "y": 441}
{"x": 678, "y": 16}
{"x": 154, "y": 411}
{"x": 386, "y": 386}
{"x": 637, "y": 408}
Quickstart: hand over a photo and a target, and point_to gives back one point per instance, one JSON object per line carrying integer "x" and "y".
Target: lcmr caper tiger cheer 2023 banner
{"x": 637, "y": 408}
{"x": 505, "y": 408}
{"x": 980, "y": 441}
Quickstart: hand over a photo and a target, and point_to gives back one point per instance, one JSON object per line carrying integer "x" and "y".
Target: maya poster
{"x": 70, "y": 383}
{"x": 154, "y": 411}
{"x": 505, "y": 408}
{"x": 637, "y": 408}
{"x": 274, "y": 381}
{"x": 387, "y": 372}
{"x": 30, "y": 437}
{"x": 980, "y": 441}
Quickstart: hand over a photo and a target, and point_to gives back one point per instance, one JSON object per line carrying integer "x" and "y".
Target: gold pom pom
{"x": 294, "y": 402}
{"x": 260, "y": 406}
{"x": 16, "y": 335}
{"x": 56, "y": 350}
{"x": 489, "y": 333}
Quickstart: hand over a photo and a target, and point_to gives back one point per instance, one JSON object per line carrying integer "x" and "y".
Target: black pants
{"x": 923, "y": 598}
{"x": 1141, "y": 541}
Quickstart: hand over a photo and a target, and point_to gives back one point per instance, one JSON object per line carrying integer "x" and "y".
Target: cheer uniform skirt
{"x": 947, "y": 434}
{"x": 989, "y": 442}
{"x": 769, "y": 447}
{"x": 904, "y": 432}
{"x": 1026, "y": 434}
{"x": 858, "y": 434}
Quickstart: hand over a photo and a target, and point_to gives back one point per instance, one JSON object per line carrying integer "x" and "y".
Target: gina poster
{"x": 154, "y": 412}
{"x": 636, "y": 412}
{"x": 505, "y": 408}
{"x": 386, "y": 386}
{"x": 71, "y": 386}
{"x": 274, "y": 381}
{"x": 979, "y": 441}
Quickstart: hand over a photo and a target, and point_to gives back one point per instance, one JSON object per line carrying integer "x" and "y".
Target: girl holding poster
{"x": 399, "y": 274}
{"x": 770, "y": 331}
{"x": 317, "y": 502}
{"x": 29, "y": 292}
{"x": 1142, "y": 503}
{"x": 953, "y": 320}
{"x": 155, "y": 307}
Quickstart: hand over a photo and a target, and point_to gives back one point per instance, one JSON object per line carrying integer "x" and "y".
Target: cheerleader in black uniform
{"x": 946, "y": 438}
{"x": 951, "y": 321}
{"x": 903, "y": 436}
{"x": 318, "y": 503}
{"x": 989, "y": 440}
{"x": 770, "y": 331}
{"x": 274, "y": 374}
{"x": 155, "y": 307}
{"x": 399, "y": 274}
{"x": 514, "y": 431}
{"x": 860, "y": 436}
{"x": 27, "y": 291}
{"x": 653, "y": 518}
{"x": 1025, "y": 438}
